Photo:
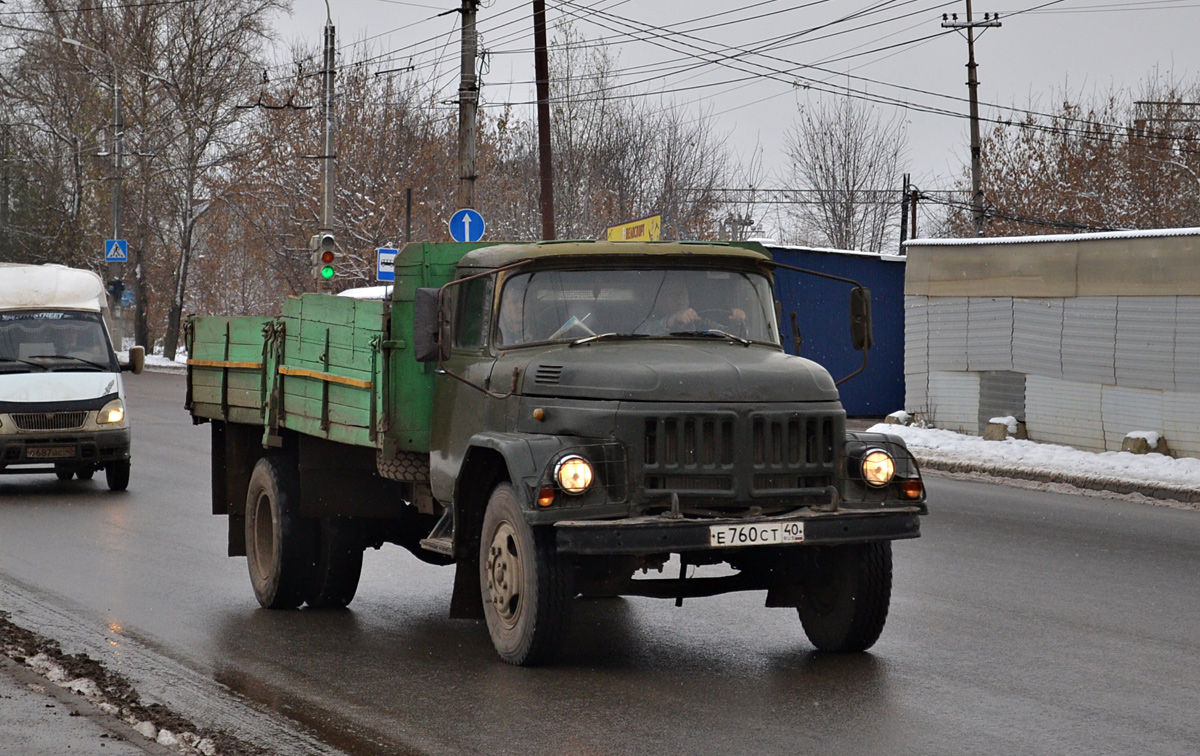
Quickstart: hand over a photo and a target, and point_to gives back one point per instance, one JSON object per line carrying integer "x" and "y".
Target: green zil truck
{"x": 556, "y": 420}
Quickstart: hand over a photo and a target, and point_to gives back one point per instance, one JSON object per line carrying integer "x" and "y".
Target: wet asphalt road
{"x": 1022, "y": 622}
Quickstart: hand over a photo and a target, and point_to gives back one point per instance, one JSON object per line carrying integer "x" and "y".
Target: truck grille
{"x": 759, "y": 453}
{"x": 49, "y": 421}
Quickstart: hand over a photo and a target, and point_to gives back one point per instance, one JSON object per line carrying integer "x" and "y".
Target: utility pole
{"x": 541, "y": 66}
{"x": 6, "y": 190}
{"x": 323, "y": 245}
{"x": 952, "y": 22}
{"x": 468, "y": 105}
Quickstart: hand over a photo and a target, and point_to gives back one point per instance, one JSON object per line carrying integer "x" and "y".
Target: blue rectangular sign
{"x": 385, "y": 264}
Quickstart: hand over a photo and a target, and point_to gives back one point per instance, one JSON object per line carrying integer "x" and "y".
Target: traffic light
{"x": 323, "y": 256}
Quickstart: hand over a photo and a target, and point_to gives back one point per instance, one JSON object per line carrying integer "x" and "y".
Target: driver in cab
{"x": 673, "y": 312}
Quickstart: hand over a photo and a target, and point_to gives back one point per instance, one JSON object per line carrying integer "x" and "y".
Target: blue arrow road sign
{"x": 466, "y": 226}
{"x": 385, "y": 264}
{"x": 116, "y": 250}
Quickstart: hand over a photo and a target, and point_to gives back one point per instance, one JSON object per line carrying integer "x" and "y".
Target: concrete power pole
{"x": 468, "y": 105}
{"x": 541, "y": 67}
{"x": 330, "y": 126}
{"x": 116, "y": 285}
{"x": 952, "y": 22}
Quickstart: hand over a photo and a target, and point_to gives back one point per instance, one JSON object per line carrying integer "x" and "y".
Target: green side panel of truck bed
{"x": 222, "y": 391}
{"x": 330, "y": 368}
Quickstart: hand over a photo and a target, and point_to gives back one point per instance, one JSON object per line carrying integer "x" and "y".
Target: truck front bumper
{"x": 653, "y": 535}
{"x": 19, "y": 451}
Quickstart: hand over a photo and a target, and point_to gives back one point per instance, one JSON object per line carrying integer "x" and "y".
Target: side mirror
{"x": 431, "y": 326}
{"x": 861, "y": 328}
{"x": 137, "y": 360}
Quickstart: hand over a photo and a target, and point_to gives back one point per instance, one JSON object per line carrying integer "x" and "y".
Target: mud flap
{"x": 467, "y": 601}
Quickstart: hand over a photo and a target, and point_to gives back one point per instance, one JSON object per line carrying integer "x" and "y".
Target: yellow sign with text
{"x": 644, "y": 229}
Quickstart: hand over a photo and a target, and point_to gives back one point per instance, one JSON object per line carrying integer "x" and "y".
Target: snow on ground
{"x": 1049, "y": 460}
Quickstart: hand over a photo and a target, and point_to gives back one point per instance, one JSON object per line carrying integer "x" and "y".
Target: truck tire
{"x": 845, "y": 595}
{"x": 526, "y": 586}
{"x": 337, "y": 566}
{"x": 279, "y": 543}
{"x": 86, "y": 473}
{"x": 63, "y": 472}
{"x": 116, "y": 474}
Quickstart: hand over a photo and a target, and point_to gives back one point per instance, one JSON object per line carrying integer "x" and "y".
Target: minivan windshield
{"x": 574, "y": 304}
{"x": 54, "y": 340}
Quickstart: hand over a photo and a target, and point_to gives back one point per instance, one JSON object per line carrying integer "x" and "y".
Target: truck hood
{"x": 681, "y": 370}
{"x": 57, "y": 387}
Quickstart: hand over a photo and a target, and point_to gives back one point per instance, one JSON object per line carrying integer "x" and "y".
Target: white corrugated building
{"x": 1084, "y": 337}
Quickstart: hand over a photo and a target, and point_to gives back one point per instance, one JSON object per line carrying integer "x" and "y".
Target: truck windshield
{"x": 573, "y": 304}
{"x": 54, "y": 340}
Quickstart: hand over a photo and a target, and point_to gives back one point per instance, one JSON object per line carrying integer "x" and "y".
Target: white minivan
{"x": 62, "y": 403}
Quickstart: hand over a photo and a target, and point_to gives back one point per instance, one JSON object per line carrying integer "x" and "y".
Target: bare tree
{"x": 1121, "y": 159}
{"x": 846, "y": 155}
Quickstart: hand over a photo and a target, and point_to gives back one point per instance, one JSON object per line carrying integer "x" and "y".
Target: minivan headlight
{"x": 113, "y": 412}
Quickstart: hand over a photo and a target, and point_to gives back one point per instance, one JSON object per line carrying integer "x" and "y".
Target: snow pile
{"x": 954, "y": 451}
{"x": 184, "y": 743}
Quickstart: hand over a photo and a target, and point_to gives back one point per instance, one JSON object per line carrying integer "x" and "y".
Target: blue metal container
{"x": 822, "y": 308}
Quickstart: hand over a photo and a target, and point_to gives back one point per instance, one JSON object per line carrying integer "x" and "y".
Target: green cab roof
{"x": 498, "y": 255}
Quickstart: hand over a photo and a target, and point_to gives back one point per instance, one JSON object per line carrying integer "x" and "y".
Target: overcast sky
{"x": 776, "y": 55}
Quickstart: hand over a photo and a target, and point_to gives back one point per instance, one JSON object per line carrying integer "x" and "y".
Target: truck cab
{"x": 600, "y": 409}
{"x": 62, "y": 400}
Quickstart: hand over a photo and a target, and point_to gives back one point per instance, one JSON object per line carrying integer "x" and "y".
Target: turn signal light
{"x": 545, "y": 497}
{"x": 912, "y": 488}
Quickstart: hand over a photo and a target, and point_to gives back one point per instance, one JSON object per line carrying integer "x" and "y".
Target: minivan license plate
{"x": 755, "y": 534}
{"x": 50, "y": 452}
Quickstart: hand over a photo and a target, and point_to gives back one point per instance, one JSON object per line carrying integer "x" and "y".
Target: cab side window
{"x": 471, "y": 318}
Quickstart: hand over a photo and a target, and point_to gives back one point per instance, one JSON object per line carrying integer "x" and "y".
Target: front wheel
{"x": 526, "y": 586}
{"x": 116, "y": 474}
{"x": 845, "y": 593}
{"x": 279, "y": 546}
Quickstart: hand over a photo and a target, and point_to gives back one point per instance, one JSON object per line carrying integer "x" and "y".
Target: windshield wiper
{"x": 96, "y": 365}
{"x": 613, "y": 335}
{"x": 713, "y": 333}
{"x": 24, "y": 362}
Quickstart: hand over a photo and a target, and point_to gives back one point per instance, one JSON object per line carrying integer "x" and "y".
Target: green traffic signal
{"x": 327, "y": 272}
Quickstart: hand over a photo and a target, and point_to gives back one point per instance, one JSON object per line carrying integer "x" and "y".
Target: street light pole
{"x": 114, "y": 270}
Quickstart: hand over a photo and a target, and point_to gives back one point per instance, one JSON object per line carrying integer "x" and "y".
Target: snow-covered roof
{"x": 368, "y": 292}
{"x": 25, "y": 287}
{"x": 831, "y": 251}
{"x": 1045, "y": 238}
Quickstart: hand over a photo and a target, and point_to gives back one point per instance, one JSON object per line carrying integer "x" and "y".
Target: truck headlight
{"x": 878, "y": 468}
{"x": 574, "y": 474}
{"x": 113, "y": 412}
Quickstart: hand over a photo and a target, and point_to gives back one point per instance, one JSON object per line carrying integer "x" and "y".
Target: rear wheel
{"x": 86, "y": 473}
{"x": 116, "y": 474}
{"x": 526, "y": 586}
{"x": 337, "y": 564}
{"x": 845, "y": 593}
{"x": 63, "y": 472}
{"x": 279, "y": 543}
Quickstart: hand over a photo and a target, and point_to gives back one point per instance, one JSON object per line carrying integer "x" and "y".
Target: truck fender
{"x": 491, "y": 458}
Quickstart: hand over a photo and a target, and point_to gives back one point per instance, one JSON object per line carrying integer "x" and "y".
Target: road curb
{"x": 1087, "y": 482}
{"x": 79, "y": 706}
